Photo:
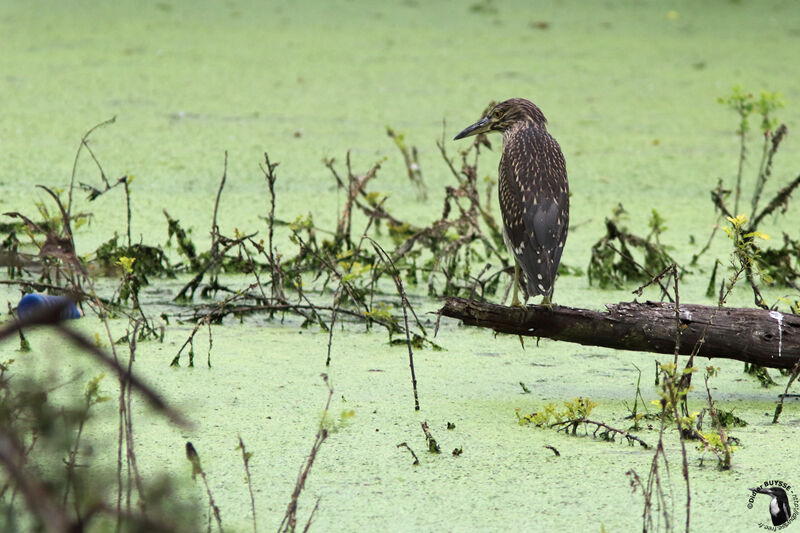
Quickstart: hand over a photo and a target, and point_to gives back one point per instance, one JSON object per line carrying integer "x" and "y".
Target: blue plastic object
{"x": 30, "y": 303}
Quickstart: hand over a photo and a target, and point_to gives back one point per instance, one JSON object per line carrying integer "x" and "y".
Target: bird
{"x": 533, "y": 192}
{"x": 779, "y": 507}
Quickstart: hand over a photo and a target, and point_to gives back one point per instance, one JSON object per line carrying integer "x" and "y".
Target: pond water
{"x": 630, "y": 91}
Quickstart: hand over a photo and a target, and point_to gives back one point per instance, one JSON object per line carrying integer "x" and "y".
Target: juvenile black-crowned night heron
{"x": 534, "y": 193}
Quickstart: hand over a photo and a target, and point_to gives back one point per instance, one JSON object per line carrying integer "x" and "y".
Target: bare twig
{"x": 246, "y": 460}
{"x": 84, "y": 144}
{"x": 197, "y": 468}
{"x": 609, "y": 433}
{"x": 792, "y": 378}
{"x": 126, "y": 413}
{"x": 214, "y": 226}
{"x": 271, "y": 177}
{"x": 780, "y": 199}
{"x": 412, "y": 162}
{"x": 404, "y": 301}
{"x": 433, "y": 446}
{"x": 407, "y": 447}
{"x": 289, "y": 522}
{"x": 771, "y": 143}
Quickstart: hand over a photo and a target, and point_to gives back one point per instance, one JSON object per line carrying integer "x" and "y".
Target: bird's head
{"x": 771, "y": 491}
{"x": 504, "y": 116}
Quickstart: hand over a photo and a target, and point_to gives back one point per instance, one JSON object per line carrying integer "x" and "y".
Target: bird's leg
{"x": 515, "y": 300}
{"x": 547, "y": 303}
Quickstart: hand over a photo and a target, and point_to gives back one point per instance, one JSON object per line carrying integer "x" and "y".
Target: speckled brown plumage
{"x": 533, "y": 190}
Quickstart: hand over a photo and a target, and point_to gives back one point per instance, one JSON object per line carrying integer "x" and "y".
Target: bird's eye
{"x": 497, "y": 114}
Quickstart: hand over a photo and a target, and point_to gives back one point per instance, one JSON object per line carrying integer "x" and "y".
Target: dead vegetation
{"x": 364, "y": 271}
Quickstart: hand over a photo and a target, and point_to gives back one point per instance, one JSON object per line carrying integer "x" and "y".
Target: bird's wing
{"x": 536, "y": 196}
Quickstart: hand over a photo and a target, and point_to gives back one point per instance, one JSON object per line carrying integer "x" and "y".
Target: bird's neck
{"x": 517, "y": 127}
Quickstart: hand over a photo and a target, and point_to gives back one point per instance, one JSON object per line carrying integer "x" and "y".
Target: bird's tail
{"x": 540, "y": 277}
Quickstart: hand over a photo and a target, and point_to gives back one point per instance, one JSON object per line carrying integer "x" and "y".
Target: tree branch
{"x": 766, "y": 338}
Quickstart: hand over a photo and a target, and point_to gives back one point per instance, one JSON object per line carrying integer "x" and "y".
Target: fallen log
{"x": 766, "y": 338}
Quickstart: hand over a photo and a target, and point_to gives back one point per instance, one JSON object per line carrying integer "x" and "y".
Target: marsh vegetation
{"x": 223, "y": 354}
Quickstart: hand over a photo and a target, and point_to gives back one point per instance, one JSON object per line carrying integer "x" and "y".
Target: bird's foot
{"x": 547, "y": 303}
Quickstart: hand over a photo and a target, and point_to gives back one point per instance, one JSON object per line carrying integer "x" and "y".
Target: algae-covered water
{"x": 630, "y": 92}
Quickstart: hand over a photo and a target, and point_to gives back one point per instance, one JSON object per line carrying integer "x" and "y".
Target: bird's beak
{"x": 481, "y": 126}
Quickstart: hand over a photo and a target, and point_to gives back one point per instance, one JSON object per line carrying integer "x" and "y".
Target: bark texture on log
{"x": 766, "y": 338}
